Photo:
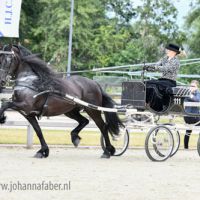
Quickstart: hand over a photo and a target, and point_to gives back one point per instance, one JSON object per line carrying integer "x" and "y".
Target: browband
{"x": 7, "y": 52}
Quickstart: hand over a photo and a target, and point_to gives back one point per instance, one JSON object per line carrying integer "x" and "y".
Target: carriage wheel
{"x": 120, "y": 142}
{"x": 198, "y": 145}
{"x": 176, "y": 137}
{"x": 159, "y": 143}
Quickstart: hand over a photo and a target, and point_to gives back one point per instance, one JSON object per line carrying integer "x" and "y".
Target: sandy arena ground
{"x": 132, "y": 176}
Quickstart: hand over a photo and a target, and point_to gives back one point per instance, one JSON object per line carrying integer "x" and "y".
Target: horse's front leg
{"x": 44, "y": 151}
{"x": 4, "y": 107}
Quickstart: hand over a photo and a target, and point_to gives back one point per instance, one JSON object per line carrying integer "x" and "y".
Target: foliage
{"x": 105, "y": 32}
{"x": 157, "y": 26}
{"x": 193, "y": 38}
{"x": 193, "y": 23}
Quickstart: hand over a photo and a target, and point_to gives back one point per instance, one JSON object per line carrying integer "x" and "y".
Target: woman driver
{"x": 158, "y": 91}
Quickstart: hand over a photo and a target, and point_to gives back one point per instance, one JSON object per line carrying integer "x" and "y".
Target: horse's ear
{"x": 14, "y": 45}
{"x": 15, "y": 48}
{"x": 24, "y": 51}
{"x": 10, "y": 46}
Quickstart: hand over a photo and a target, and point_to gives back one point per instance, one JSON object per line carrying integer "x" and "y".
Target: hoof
{"x": 112, "y": 150}
{"x": 106, "y": 154}
{"x": 76, "y": 142}
{"x": 42, "y": 153}
{"x": 2, "y": 119}
{"x": 39, "y": 155}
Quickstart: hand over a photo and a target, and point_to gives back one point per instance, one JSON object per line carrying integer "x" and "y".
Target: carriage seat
{"x": 181, "y": 91}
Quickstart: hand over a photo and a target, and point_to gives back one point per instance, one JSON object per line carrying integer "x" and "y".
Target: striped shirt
{"x": 168, "y": 67}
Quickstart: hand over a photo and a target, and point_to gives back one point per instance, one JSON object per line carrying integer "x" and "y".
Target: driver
{"x": 158, "y": 91}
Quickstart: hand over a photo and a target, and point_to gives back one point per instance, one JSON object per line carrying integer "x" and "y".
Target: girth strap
{"x": 44, "y": 107}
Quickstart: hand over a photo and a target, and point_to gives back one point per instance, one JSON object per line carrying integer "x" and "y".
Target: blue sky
{"x": 183, "y": 9}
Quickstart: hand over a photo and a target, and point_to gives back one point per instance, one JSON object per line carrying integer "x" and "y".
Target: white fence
{"x": 56, "y": 125}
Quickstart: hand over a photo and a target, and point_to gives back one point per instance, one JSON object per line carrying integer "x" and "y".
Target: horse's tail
{"x": 112, "y": 119}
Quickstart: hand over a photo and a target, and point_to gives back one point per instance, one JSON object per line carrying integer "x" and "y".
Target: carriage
{"x": 162, "y": 141}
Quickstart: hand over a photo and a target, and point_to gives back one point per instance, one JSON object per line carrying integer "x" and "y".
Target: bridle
{"x": 7, "y": 52}
{"x": 8, "y": 60}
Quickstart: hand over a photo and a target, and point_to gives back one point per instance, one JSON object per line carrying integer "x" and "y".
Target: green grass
{"x": 61, "y": 137}
{"x": 165, "y": 119}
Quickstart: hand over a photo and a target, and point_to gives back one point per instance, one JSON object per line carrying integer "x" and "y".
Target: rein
{"x": 27, "y": 86}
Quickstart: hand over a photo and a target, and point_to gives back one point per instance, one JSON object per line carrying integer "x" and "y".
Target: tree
{"x": 105, "y": 32}
{"x": 193, "y": 24}
{"x": 30, "y": 14}
{"x": 157, "y": 26}
{"x": 193, "y": 38}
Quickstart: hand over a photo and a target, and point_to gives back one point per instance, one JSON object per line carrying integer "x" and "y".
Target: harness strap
{"x": 44, "y": 106}
{"x": 27, "y": 86}
{"x": 47, "y": 93}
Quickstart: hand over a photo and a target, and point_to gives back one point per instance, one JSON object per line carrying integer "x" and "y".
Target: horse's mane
{"x": 48, "y": 79}
{"x": 39, "y": 66}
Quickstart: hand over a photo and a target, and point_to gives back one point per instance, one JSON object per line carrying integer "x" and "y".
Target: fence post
{"x": 29, "y": 136}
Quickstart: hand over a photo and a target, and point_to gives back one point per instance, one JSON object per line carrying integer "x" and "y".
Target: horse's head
{"x": 9, "y": 62}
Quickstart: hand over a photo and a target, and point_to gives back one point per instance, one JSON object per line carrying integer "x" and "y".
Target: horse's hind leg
{"x": 75, "y": 114}
{"x": 96, "y": 116}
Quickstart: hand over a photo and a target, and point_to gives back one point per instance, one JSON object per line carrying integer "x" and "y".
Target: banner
{"x": 9, "y": 18}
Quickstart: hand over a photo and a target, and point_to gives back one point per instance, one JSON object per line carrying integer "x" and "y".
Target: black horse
{"x": 33, "y": 76}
